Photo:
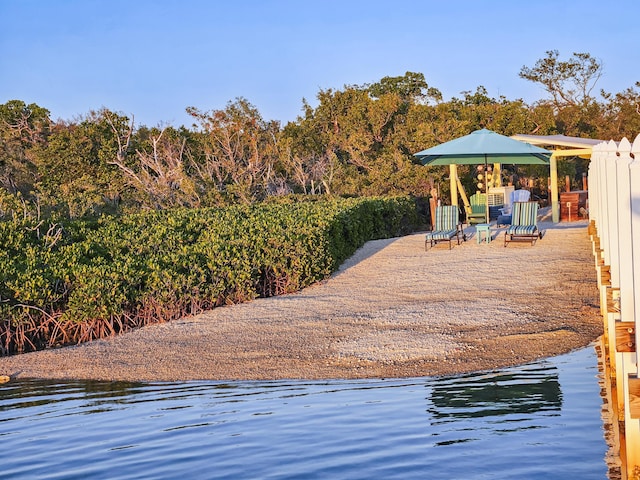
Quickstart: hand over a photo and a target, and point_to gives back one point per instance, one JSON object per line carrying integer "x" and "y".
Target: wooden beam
{"x": 634, "y": 396}
{"x": 463, "y": 195}
{"x": 572, "y": 152}
{"x": 625, "y": 337}
{"x": 605, "y": 275}
{"x": 613, "y": 300}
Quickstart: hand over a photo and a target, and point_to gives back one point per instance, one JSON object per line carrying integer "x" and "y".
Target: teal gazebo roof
{"x": 484, "y": 146}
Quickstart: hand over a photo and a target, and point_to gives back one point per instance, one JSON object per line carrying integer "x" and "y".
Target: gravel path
{"x": 393, "y": 310}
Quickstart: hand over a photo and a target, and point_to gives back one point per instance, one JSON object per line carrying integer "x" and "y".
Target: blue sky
{"x": 152, "y": 59}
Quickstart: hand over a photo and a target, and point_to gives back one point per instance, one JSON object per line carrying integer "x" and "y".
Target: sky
{"x": 151, "y": 59}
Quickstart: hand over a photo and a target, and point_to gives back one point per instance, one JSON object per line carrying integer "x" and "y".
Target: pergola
{"x": 561, "y": 146}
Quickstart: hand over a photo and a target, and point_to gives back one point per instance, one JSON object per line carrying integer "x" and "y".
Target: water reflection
{"x": 535, "y": 421}
{"x": 528, "y": 389}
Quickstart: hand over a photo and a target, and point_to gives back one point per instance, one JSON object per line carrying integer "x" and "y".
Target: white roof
{"x": 558, "y": 140}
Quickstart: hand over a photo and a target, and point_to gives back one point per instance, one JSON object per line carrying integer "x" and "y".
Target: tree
{"x": 75, "y": 176}
{"x": 411, "y": 88}
{"x": 333, "y": 142}
{"x": 621, "y": 114}
{"x": 159, "y": 172}
{"x": 239, "y": 152}
{"x": 568, "y": 82}
{"x": 22, "y": 128}
{"x": 308, "y": 169}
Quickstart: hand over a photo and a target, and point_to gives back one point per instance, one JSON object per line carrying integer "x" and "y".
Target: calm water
{"x": 540, "y": 420}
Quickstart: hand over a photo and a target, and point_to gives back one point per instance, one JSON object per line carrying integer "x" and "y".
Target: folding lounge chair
{"x": 478, "y": 203}
{"x": 520, "y": 195}
{"x": 447, "y": 226}
{"x": 524, "y": 223}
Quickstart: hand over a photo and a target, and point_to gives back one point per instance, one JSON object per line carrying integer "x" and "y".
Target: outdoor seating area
{"x": 481, "y": 148}
{"x": 524, "y": 228}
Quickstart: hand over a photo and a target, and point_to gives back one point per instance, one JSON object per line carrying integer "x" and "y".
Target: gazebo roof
{"x": 578, "y": 147}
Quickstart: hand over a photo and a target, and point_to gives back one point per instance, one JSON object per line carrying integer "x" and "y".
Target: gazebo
{"x": 463, "y": 150}
{"x": 482, "y": 147}
{"x": 571, "y": 147}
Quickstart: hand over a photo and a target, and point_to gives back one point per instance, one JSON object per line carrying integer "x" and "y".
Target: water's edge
{"x": 540, "y": 420}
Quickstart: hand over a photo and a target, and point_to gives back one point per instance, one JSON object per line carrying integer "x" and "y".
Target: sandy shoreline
{"x": 393, "y": 310}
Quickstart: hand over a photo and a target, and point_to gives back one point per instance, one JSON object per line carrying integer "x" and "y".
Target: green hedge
{"x": 85, "y": 280}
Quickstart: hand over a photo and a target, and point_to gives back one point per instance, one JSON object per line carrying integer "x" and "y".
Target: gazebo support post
{"x": 486, "y": 189}
{"x": 555, "y": 201}
{"x": 453, "y": 182}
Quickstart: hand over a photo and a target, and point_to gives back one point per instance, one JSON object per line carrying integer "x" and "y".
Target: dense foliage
{"x": 358, "y": 140}
{"x": 72, "y": 282}
{"x": 106, "y": 225}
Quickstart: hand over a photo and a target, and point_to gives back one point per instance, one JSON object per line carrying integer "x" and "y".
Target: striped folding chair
{"x": 524, "y": 223}
{"x": 447, "y": 226}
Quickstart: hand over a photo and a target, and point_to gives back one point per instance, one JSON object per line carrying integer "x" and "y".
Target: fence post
{"x": 609, "y": 198}
{"x": 634, "y": 180}
{"x": 611, "y": 277}
{"x": 613, "y": 195}
{"x": 596, "y": 196}
{"x": 626, "y": 281}
{"x": 614, "y": 213}
{"x": 634, "y": 169}
{"x": 594, "y": 199}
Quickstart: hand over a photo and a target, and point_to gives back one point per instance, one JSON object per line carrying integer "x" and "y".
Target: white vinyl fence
{"x": 614, "y": 212}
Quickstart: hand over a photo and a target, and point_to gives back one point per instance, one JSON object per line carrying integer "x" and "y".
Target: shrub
{"x": 107, "y": 276}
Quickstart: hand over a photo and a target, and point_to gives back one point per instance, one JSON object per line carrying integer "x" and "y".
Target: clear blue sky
{"x": 153, "y": 59}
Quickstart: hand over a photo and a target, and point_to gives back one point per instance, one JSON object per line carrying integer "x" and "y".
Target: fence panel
{"x": 614, "y": 211}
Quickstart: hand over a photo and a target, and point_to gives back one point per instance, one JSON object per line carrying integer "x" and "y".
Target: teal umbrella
{"x": 483, "y": 147}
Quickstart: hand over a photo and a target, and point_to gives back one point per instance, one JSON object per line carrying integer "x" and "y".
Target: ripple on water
{"x": 540, "y": 420}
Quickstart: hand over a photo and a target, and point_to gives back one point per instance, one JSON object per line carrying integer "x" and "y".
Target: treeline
{"x": 106, "y": 225}
{"x": 357, "y": 141}
{"x": 84, "y": 280}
